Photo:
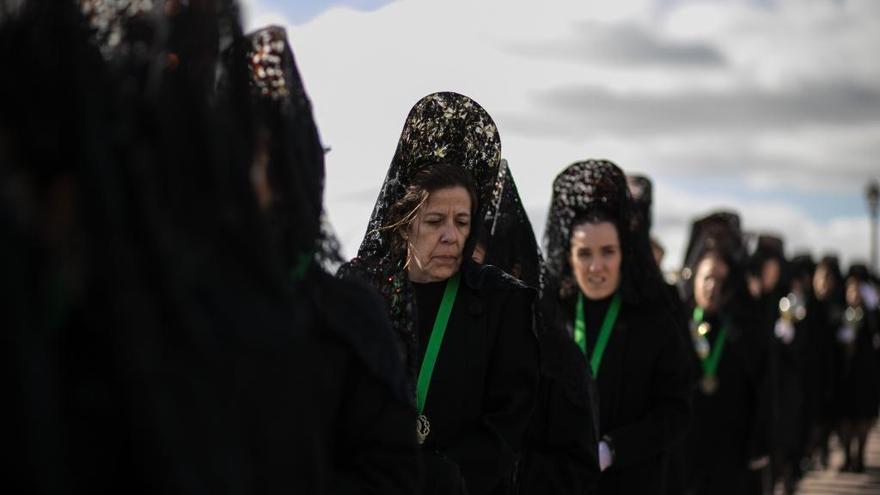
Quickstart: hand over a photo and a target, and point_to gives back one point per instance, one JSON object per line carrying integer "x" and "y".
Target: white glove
{"x": 605, "y": 456}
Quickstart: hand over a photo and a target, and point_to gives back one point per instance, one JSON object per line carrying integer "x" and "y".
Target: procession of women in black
{"x": 178, "y": 316}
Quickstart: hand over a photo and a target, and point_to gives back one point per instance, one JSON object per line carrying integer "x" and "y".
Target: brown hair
{"x": 430, "y": 178}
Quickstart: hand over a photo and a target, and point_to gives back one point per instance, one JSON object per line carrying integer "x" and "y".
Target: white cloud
{"x": 365, "y": 70}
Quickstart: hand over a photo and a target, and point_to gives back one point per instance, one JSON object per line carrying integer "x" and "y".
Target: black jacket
{"x": 730, "y": 426}
{"x": 643, "y": 383}
{"x": 484, "y": 382}
{"x": 365, "y": 413}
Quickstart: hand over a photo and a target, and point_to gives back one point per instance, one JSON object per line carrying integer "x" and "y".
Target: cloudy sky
{"x": 767, "y": 107}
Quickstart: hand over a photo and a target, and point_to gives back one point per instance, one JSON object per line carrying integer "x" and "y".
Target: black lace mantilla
{"x": 447, "y": 127}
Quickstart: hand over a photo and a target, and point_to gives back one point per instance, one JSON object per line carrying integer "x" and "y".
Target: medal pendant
{"x": 704, "y": 328}
{"x": 709, "y": 384}
{"x": 423, "y": 428}
{"x": 701, "y": 346}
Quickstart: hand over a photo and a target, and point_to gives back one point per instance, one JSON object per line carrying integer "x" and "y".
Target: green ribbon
{"x": 436, "y": 340}
{"x": 711, "y": 362}
{"x": 580, "y": 331}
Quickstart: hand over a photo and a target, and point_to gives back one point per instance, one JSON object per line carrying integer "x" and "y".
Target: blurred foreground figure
{"x": 367, "y": 421}
{"x": 153, "y": 342}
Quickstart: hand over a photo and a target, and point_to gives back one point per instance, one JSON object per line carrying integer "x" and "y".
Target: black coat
{"x": 561, "y": 455}
{"x": 730, "y": 426}
{"x": 857, "y": 394}
{"x": 643, "y": 394}
{"x": 367, "y": 419}
{"x": 484, "y": 382}
{"x": 790, "y": 421}
{"x": 821, "y": 325}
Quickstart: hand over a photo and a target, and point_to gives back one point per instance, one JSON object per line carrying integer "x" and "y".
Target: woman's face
{"x": 823, "y": 282}
{"x": 260, "y": 172}
{"x": 853, "y": 296}
{"x": 595, "y": 259}
{"x": 770, "y": 272}
{"x": 709, "y": 281}
{"x": 436, "y": 237}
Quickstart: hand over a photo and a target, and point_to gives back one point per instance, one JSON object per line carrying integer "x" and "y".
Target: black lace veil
{"x": 182, "y": 304}
{"x": 296, "y": 164}
{"x": 447, "y": 127}
{"x": 507, "y": 235}
{"x": 599, "y": 185}
{"x": 721, "y": 233}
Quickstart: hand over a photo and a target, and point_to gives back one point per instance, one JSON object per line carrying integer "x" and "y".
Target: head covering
{"x": 762, "y": 247}
{"x": 296, "y": 175}
{"x": 860, "y": 272}
{"x": 642, "y": 191}
{"x": 802, "y": 267}
{"x": 599, "y": 186}
{"x": 507, "y": 234}
{"x": 182, "y": 338}
{"x": 446, "y": 127}
{"x": 717, "y": 232}
{"x": 296, "y": 156}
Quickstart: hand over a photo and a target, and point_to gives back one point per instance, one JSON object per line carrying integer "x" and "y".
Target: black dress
{"x": 821, "y": 324}
{"x": 643, "y": 384}
{"x": 856, "y": 371}
{"x": 560, "y": 455}
{"x": 484, "y": 382}
{"x": 366, "y": 415}
{"x": 562, "y": 441}
{"x": 791, "y": 349}
{"x": 730, "y": 425}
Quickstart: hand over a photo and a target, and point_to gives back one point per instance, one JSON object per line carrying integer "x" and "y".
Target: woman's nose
{"x": 449, "y": 234}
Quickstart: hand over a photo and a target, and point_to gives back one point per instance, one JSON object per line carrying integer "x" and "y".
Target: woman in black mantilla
{"x": 560, "y": 454}
{"x": 791, "y": 345}
{"x": 610, "y": 299}
{"x": 178, "y": 359}
{"x": 367, "y": 419}
{"x": 464, "y": 330}
{"x": 642, "y": 190}
{"x": 728, "y": 437}
{"x": 856, "y": 349}
{"x": 824, "y": 316}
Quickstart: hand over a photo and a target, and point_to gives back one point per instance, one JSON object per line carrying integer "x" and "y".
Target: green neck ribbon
{"x": 436, "y": 340}
{"x": 580, "y": 331}
{"x": 711, "y": 362}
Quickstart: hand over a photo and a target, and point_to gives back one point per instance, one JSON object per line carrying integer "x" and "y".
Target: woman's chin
{"x": 597, "y": 293}
{"x": 443, "y": 271}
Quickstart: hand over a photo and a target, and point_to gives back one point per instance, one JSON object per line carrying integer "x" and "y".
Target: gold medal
{"x": 423, "y": 428}
{"x": 709, "y": 384}
{"x": 704, "y": 328}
